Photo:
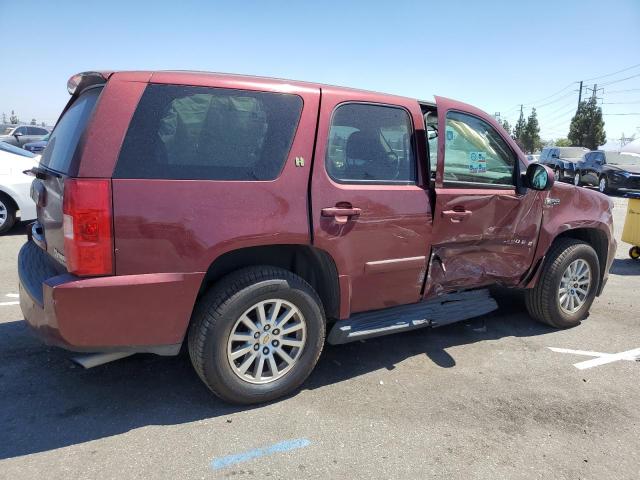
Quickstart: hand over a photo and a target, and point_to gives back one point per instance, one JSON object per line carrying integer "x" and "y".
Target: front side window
{"x": 371, "y": 143}
{"x": 476, "y": 153}
{"x": 202, "y": 133}
{"x": 21, "y": 130}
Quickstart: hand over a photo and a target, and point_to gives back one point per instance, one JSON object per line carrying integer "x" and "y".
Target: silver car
{"x": 22, "y": 134}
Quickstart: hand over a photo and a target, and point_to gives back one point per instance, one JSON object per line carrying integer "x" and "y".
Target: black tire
{"x": 558, "y": 174}
{"x": 219, "y": 309}
{"x": 542, "y": 300}
{"x": 577, "y": 180}
{"x": 634, "y": 253}
{"x": 7, "y": 212}
{"x": 607, "y": 189}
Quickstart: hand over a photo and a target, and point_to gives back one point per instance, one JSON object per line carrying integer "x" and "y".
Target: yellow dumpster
{"x": 631, "y": 231}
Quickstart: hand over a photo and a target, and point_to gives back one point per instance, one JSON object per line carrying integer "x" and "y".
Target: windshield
{"x": 18, "y": 151}
{"x": 65, "y": 137}
{"x": 572, "y": 152}
{"x": 622, "y": 159}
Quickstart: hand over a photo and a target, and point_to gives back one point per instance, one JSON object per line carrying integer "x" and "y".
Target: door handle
{"x": 341, "y": 214}
{"x": 456, "y": 215}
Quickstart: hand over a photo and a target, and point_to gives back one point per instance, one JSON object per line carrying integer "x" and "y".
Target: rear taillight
{"x": 88, "y": 239}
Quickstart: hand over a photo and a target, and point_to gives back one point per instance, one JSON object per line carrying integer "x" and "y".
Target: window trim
{"x": 480, "y": 185}
{"x": 374, "y": 182}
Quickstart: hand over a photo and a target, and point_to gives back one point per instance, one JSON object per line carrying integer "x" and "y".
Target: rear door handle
{"x": 341, "y": 214}
{"x": 456, "y": 215}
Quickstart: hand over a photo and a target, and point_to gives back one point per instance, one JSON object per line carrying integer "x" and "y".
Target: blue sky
{"x": 494, "y": 55}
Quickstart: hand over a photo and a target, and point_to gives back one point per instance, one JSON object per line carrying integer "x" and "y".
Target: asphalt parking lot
{"x": 483, "y": 399}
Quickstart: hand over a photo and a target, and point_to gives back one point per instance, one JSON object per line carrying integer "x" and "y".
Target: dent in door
{"x": 504, "y": 256}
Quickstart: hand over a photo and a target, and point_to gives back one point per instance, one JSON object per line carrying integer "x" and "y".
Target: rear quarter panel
{"x": 184, "y": 225}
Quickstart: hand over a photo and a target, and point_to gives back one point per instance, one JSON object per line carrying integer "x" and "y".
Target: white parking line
{"x": 601, "y": 358}
{"x": 5, "y": 304}
{"x": 13, "y": 295}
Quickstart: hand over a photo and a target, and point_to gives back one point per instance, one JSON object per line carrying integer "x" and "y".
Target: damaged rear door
{"x": 485, "y": 224}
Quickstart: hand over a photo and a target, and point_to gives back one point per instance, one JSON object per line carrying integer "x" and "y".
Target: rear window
{"x": 572, "y": 152}
{"x": 201, "y": 133}
{"x": 65, "y": 137}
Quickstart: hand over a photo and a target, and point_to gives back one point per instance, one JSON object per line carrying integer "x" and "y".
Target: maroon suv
{"x": 248, "y": 217}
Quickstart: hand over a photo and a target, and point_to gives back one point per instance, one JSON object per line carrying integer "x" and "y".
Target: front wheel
{"x": 634, "y": 253}
{"x": 603, "y": 185}
{"x": 7, "y": 214}
{"x": 257, "y": 334}
{"x": 567, "y": 284}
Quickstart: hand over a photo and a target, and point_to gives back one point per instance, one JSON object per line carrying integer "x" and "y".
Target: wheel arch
{"x": 10, "y": 197}
{"x": 597, "y": 239}
{"x": 312, "y": 264}
{"x": 593, "y": 236}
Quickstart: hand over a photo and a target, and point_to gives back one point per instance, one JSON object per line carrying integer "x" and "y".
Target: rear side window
{"x": 65, "y": 137}
{"x": 371, "y": 143}
{"x": 201, "y": 133}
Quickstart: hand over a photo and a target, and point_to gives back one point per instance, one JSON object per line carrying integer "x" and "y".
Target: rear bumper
{"x": 137, "y": 313}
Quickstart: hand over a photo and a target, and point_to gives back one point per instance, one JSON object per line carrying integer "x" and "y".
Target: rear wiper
{"x": 41, "y": 173}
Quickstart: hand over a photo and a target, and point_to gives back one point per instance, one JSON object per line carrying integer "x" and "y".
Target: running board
{"x": 444, "y": 310}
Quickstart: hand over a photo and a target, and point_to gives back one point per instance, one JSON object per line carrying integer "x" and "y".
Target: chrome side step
{"x": 91, "y": 360}
{"x": 444, "y": 310}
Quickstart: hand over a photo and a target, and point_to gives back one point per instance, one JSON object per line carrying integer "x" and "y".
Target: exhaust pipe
{"x": 91, "y": 360}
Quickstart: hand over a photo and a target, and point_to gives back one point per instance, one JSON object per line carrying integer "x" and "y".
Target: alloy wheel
{"x": 574, "y": 286}
{"x": 3, "y": 213}
{"x": 266, "y": 341}
{"x": 602, "y": 185}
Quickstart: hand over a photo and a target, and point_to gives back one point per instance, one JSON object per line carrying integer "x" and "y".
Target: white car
{"x": 15, "y": 186}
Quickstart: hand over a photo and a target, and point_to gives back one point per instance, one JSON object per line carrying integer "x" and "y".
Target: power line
{"x": 623, "y": 91}
{"x": 551, "y": 96}
{"x": 619, "y": 103}
{"x": 614, "y": 73}
{"x": 620, "y": 80}
{"x": 632, "y": 113}
{"x": 535, "y": 102}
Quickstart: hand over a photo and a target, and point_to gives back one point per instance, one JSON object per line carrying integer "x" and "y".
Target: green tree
{"x": 518, "y": 131}
{"x": 13, "y": 119}
{"x": 506, "y": 126}
{"x": 531, "y": 135}
{"x": 587, "y": 126}
{"x": 33, "y": 122}
{"x": 562, "y": 142}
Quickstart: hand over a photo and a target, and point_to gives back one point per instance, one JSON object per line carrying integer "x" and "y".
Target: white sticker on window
{"x": 477, "y": 162}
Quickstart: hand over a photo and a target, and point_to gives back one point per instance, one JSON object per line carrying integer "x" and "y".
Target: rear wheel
{"x": 576, "y": 180}
{"x": 257, "y": 334}
{"x": 7, "y": 214}
{"x": 567, "y": 285}
{"x": 558, "y": 174}
{"x": 634, "y": 253}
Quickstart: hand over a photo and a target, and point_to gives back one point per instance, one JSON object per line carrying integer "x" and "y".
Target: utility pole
{"x": 594, "y": 91}
{"x": 580, "y": 94}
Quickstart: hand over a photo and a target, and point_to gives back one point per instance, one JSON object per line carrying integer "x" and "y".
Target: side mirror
{"x": 554, "y": 155}
{"x": 18, "y": 134}
{"x": 539, "y": 177}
